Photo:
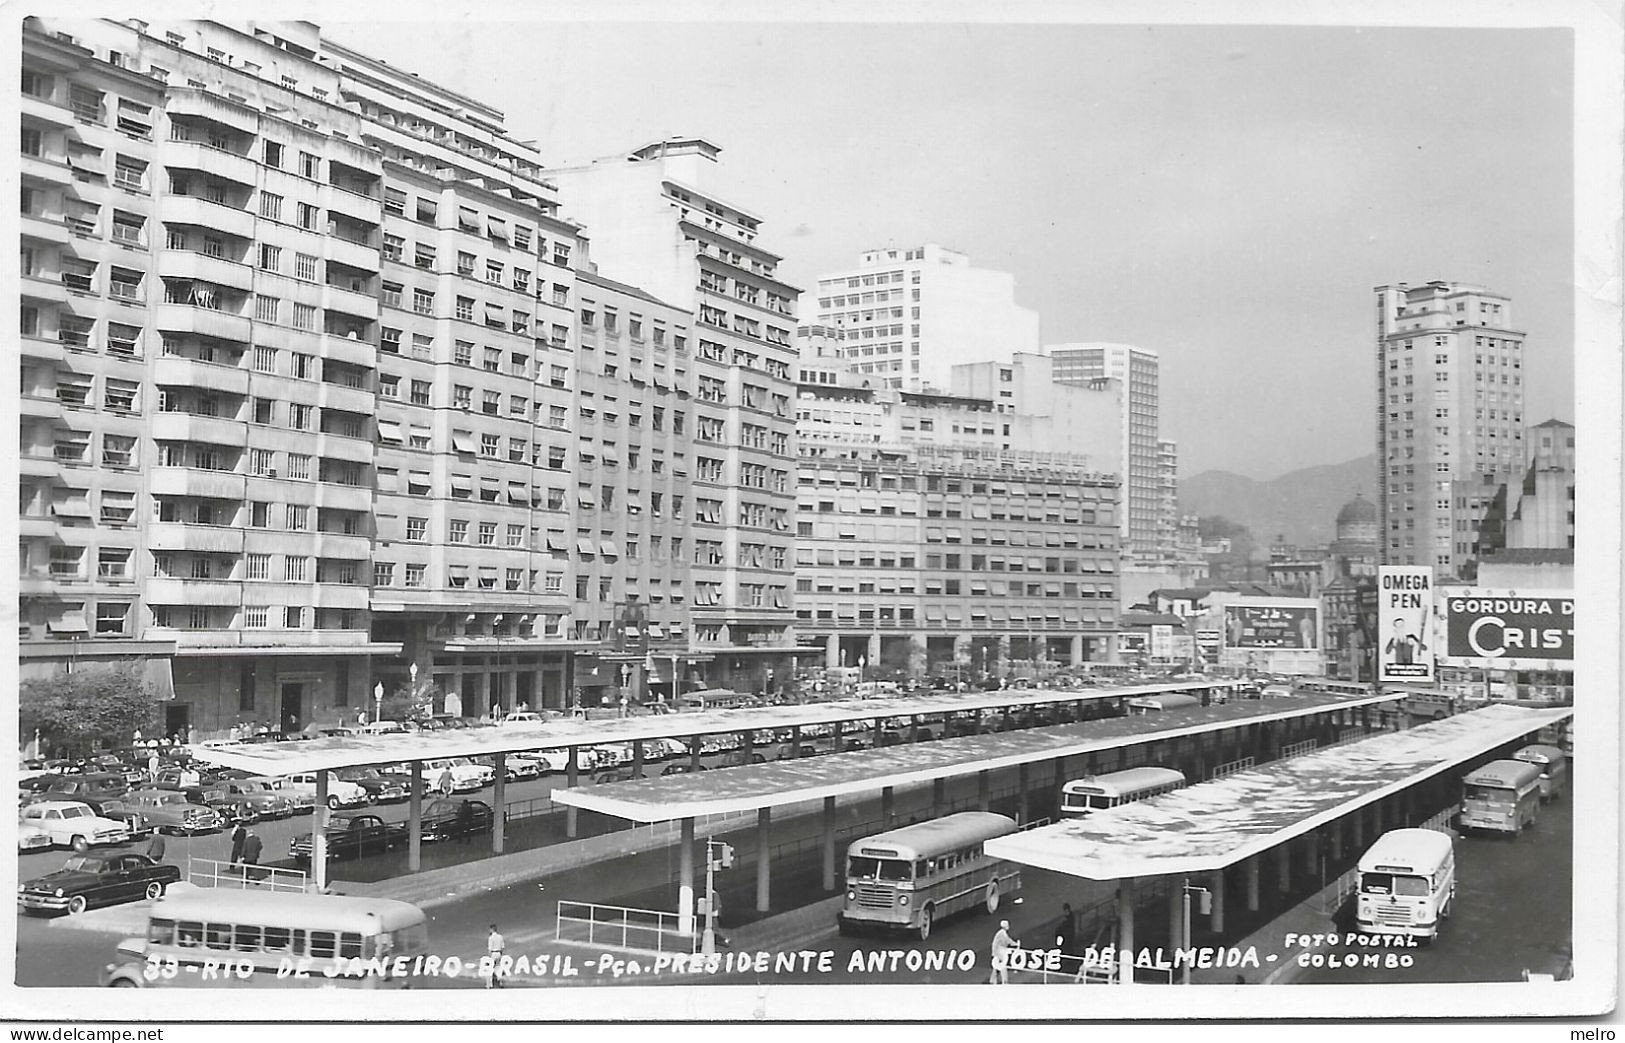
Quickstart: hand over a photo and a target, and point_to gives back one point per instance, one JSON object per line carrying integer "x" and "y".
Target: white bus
{"x": 1145, "y": 704}
{"x": 218, "y": 938}
{"x": 1554, "y": 768}
{"x": 1502, "y": 796}
{"x": 906, "y": 879}
{"x": 1099, "y": 792}
{"x": 1407, "y": 883}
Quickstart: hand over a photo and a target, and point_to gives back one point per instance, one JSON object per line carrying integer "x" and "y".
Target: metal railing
{"x": 619, "y": 927}
{"x": 1296, "y": 749}
{"x": 1230, "y": 768}
{"x": 214, "y": 872}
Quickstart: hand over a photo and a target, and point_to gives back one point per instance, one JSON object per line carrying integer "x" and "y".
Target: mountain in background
{"x": 1302, "y": 504}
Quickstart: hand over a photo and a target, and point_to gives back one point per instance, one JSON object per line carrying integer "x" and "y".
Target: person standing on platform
{"x": 494, "y": 944}
{"x": 1002, "y": 944}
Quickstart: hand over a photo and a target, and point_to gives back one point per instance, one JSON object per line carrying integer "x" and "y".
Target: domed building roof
{"x": 1357, "y": 512}
{"x": 1357, "y": 529}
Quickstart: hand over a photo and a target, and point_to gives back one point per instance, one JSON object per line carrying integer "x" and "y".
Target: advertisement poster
{"x": 1404, "y": 606}
{"x": 1509, "y": 630}
{"x": 1272, "y": 624}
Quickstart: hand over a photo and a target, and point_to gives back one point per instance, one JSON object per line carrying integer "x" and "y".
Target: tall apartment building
{"x": 1449, "y": 418}
{"x": 656, "y": 223}
{"x": 1036, "y": 412}
{"x": 475, "y": 369}
{"x": 198, "y": 379}
{"x": 1149, "y": 522}
{"x": 909, "y": 316}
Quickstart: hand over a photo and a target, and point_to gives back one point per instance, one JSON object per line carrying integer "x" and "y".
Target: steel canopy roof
{"x": 1216, "y": 824}
{"x": 291, "y": 757}
{"x": 755, "y": 786}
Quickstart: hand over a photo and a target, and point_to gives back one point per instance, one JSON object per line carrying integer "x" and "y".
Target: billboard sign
{"x": 1259, "y": 623}
{"x": 1162, "y": 641}
{"x": 1508, "y": 629}
{"x": 1404, "y": 606}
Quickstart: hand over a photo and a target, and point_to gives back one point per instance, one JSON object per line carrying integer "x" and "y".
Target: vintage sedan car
{"x": 351, "y": 836}
{"x": 72, "y": 823}
{"x": 548, "y": 760}
{"x": 88, "y": 788}
{"x": 168, "y": 811}
{"x": 87, "y": 880}
{"x": 515, "y": 767}
{"x": 381, "y": 788}
{"x": 523, "y": 717}
{"x": 32, "y": 838}
{"x": 266, "y": 800}
{"x": 682, "y": 768}
{"x": 340, "y": 793}
{"x": 454, "y": 817}
{"x": 457, "y": 774}
{"x": 301, "y": 799}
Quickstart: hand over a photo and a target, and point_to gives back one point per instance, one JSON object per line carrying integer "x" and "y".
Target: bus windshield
{"x": 879, "y": 869}
{"x": 1394, "y": 884}
{"x": 1489, "y": 793}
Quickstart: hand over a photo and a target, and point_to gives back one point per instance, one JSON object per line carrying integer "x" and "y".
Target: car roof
{"x": 59, "y": 804}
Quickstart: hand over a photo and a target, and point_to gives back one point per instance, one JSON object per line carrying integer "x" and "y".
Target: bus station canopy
{"x": 751, "y": 787}
{"x": 1216, "y": 824}
{"x": 291, "y": 757}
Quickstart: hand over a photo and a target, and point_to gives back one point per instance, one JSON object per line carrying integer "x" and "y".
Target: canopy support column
{"x": 939, "y": 796}
{"x": 499, "y": 805}
{"x": 685, "y": 878}
{"x": 982, "y": 783}
{"x": 414, "y": 819}
{"x": 887, "y": 804}
{"x": 795, "y": 740}
{"x": 694, "y": 752}
{"x": 1283, "y": 862}
{"x": 1358, "y": 822}
{"x": 318, "y": 834}
{"x": 1176, "y": 914}
{"x": 1252, "y": 884}
{"x": 829, "y": 843}
{"x": 1216, "y": 918}
{"x": 764, "y": 860}
{"x": 747, "y": 745}
{"x": 1022, "y": 782}
{"x": 572, "y": 770}
{"x": 1125, "y": 928}
{"x": 637, "y": 758}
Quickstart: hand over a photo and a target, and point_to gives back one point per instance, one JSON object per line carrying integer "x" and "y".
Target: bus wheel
{"x": 992, "y": 900}
{"x": 124, "y": 983}
{"x": 926, "y": 916}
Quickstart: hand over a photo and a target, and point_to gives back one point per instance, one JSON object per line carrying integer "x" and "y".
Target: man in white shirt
{"x": 494, "y": 944}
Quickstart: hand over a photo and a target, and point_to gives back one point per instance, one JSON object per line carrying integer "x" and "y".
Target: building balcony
{"x": 174, "y": 371}
{"x": 173, "y": 591}
{"x": 39, "y": 466}
{"x": 343, "y": 447}
{"x": 39, "y": 349}
{"x": 50, "y": 171}
{"x": 356, "y": 596}
{"x": 350, "y": 300}
{"x": 194, "y": 155}
{"x": 44, "y": 288}
{"x": 343, "y": 546}
{"x": 344, "y": 497}
{"x": 349, "y": 399}
{"x": 196, "y": 210}
{"x": 43, "y": 110}
{"x": 211, "y": 539}
{"x": 36, "y": 527}
{"x": 185, "y": 427}
{"x": 47, "y": 227}
{"x": 186, "y": 481}
{"x": 203, "y": 105}
{"x": 364, "y": 208}
{"x": 359, "y": 351}
{"x": 364, "y": 256}
{"x": 187, "y": 318}
{"x": 39, "y": 407}
{"x": 186, "y": 264}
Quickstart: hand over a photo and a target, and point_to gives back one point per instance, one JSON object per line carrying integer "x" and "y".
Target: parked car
{"x": 89, "y": 788}
{"x": 737, "y": 758}
{"x": 168, "y": 811}
{"x": 261, "y": 794}
{"x": 451, "y": 817}
{"x": 682, "y": 768}
{"x": 87, "y": 880}
{"x": 31, "y": 837}
{"x": 382, "y": 728}
{"x": 457, "y": 774}
{"x": 381, "y": 788}
{"x": 178, "y": 777}
{"x": 340, "y": 793}
{"x": 107, "y": 762}
{"x": 73, "y": 824}
{"x": 626, "y": 774}
{"x": 301, "y": 798}
{"x": 139, "y": 826}
{"x": 548, "y": 760}
{"x": 516, "y": 767}
{"x": 351, "y": 836}
{"x": 524, "y": 717}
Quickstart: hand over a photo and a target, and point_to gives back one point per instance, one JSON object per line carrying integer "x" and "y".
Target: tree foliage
{"x": 403, "y": 705}
{"x": 92, "y": 707}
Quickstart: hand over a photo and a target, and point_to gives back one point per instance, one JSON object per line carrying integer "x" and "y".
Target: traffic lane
{"x": 1513, "y": 911}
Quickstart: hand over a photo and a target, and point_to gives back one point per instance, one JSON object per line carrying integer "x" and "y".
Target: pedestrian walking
{"x": 155, "y": 847}
{"x": 252, "y": 846}
{"x": 444, "y": 785}
{"x": 1002, "y": 944}
{"x": 494, "y": 944}
{"x": 238, "y": 836}
{"x": 1066, "y": 931}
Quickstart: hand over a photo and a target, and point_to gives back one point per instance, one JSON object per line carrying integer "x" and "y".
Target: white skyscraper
{"x": 910, "y": 315}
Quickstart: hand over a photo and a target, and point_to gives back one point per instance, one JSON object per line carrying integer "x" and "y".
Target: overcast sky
{"x": 1227, "y": 195}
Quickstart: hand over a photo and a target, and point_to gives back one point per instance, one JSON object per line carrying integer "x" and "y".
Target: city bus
{"x": 1099, "y": 792}
{"x": 1554, "y": 768}
{"x": 1407, "y": 883}
{"x": 218, "y": 938}
{"x": 906, "y": 879}
{"x": 1332, "y": 686}
{"x": 1502, "y": 796}
{"x": 1145, "y": 704}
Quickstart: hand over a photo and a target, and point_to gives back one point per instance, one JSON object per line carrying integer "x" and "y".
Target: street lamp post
{"x": 378, "y": 701}
{"x": 1185, "y": 901}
